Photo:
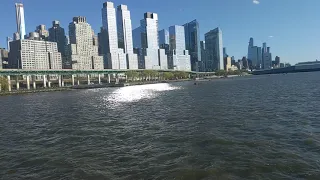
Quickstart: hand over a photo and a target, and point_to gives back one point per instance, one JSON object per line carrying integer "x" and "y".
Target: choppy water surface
{"x": 261, "y": 127}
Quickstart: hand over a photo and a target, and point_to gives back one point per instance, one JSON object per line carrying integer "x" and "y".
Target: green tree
{"x": 4, "y": 83}
{"x": 168, "y": 75}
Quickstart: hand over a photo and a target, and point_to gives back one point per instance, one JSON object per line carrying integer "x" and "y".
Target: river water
{"x": 258, "y": 127}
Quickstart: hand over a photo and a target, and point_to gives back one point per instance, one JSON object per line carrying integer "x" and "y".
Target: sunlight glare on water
{"x": 136, "y": 93}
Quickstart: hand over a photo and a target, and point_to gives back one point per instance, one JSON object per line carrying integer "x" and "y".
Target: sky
{"x": 290, "y": 27}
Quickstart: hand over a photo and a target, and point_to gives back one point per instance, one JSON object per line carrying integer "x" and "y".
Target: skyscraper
{"x": 43, "y": 33}
{"x": 125, "y": 36}
{"x": 225, "y": 52}
{"x": 9, "y": 39}
{"x": 82, "y": 53}
{"x": 114, "y": 57}
{"x": 214, "y": 50}
{"x": 181, "y": 58}
{"x": 57, "y": 34}
{"x": 202, "y": 65}
{"x": 192, "y": 37}
{"x": 136, "y": 37}
{"x": 266, "y": 57}
{"x": 254, "y": 55}
{"x": 21, "y": 27}
{"x": 163, "y": 37}
{"x": 150, "y": 42}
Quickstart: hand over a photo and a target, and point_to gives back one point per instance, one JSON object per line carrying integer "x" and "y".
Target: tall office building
{"x": 254, "y": 55}
{"x": 125, "y": 36}
{"x": 192, "y": 38}
{"x": 34, "y": 54}
{"x": 152, "y": 57}
{"x": 81, "y": 52}
{"x": 57, "y": 34}
{"x": 181, "y": 58}
{"x": 202, "y": 65}
{"x": 9, "y": 39}
{"x": 114, "y": 57}
{"x": 43, "y": 32}
{"x": 227, "y": 63}
{"x": 136, "y": 37}
{"x": 21, "y": 26}
{"x": 266, "y": 57}
{"x": 163, "y": 37}
{"x": 214, "y": 50}
{"x": 225, "y": 52}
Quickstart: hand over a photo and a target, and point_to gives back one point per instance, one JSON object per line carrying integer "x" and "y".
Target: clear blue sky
{"x": 290, "y": 27}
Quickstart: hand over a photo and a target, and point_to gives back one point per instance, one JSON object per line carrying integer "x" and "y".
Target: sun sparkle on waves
{"x": 136, "y": 93}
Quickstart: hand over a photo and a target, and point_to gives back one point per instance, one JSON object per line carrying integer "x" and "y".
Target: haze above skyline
{"x": 290, "y": 27}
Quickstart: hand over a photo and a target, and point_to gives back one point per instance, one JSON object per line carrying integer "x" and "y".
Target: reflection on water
{"x": 136, "y": 93}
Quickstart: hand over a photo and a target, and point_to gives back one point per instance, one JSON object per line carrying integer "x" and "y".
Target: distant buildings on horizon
{"x": 118, "y": 46}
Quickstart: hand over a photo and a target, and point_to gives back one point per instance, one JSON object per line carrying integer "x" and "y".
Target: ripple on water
{"x": 261, "y": 127}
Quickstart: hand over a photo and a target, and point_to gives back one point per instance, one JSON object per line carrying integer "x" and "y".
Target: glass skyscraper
{"x": 192, "y": 38}
{"x": 125, "y": 36}
{"x": 21, "y": 26}
{"x": 181, "y": 57}
{"x": 214, "y": 50}
{"x": 57, "y": 34}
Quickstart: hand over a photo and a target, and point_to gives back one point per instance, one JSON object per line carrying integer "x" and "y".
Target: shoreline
{"x": 83, "y": 87}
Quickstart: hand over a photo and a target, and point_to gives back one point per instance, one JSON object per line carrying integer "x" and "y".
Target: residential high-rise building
{"x": 192, "y": 37}
{"x": 214, "y": 50}
{"x": 21, "y": 26}
{"x": 181, "y": 58}
{"x": 165, "y": 44}
{"x": 81, "y": 52}
{"x": 125, "y": 41}
{"x": 114, "y": 57}
{"x": 277, "y": 61}
{"x": 227, "y": 63}
{"x": 57, "y": 34}
{"x": 4, "y": 55}
{"x": 43, "y": 32}
{"x": 150, "y": 43}
{"x": 245, "y": 63}
{"x": 34, "y": 54}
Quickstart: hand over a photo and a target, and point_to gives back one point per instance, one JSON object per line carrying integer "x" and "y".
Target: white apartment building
{"x": 81, "y": 52}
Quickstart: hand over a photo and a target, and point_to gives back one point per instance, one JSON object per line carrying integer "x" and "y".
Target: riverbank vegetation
{"x": 3, "y": 84}
{"x": 150, "y": 75}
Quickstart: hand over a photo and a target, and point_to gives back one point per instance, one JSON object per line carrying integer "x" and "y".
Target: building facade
{"x": 81, "y": 52}
{"x": 192, "y": 39}
{"x": 214, "y": 50}
{"x": 150, "y": 41}
{"x": 57, "y": 34}
{"x": 21, "y": 26}
{"x": 125, "y": 40}
{"x": 114, "y": 57}
{"x": 34, "y": 54}
{"x": 43, "y": 32}
{"x": 180, "y": 56}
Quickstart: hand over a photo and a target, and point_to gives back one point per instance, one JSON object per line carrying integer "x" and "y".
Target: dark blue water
{"x": 259, "y": 127}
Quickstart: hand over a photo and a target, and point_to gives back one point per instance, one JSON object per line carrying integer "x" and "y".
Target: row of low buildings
{"x": 116, "y": 46}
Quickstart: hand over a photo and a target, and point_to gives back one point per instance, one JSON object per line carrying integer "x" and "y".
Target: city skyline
{"x": 235, "y": 42}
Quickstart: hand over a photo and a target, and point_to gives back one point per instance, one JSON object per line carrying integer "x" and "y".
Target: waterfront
{"x": 255, "y": 127}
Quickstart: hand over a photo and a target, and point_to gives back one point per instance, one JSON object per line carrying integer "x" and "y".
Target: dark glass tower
{"x": 192, "y": 36}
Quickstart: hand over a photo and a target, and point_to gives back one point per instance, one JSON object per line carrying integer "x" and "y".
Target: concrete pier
{"x": 99, "y": 78}
{"x": 109, "y": 79}
{"x": 34, "y": 82}
{"x": 59, "y": 81}
{"x": 44, "y": 81}
{"x": 88, "y": 79}
{"x": 72, "y": 77}
{"x": 28, "y": 82}
{"x": 17, "y": 83}
{"x": 9, "y": 83}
